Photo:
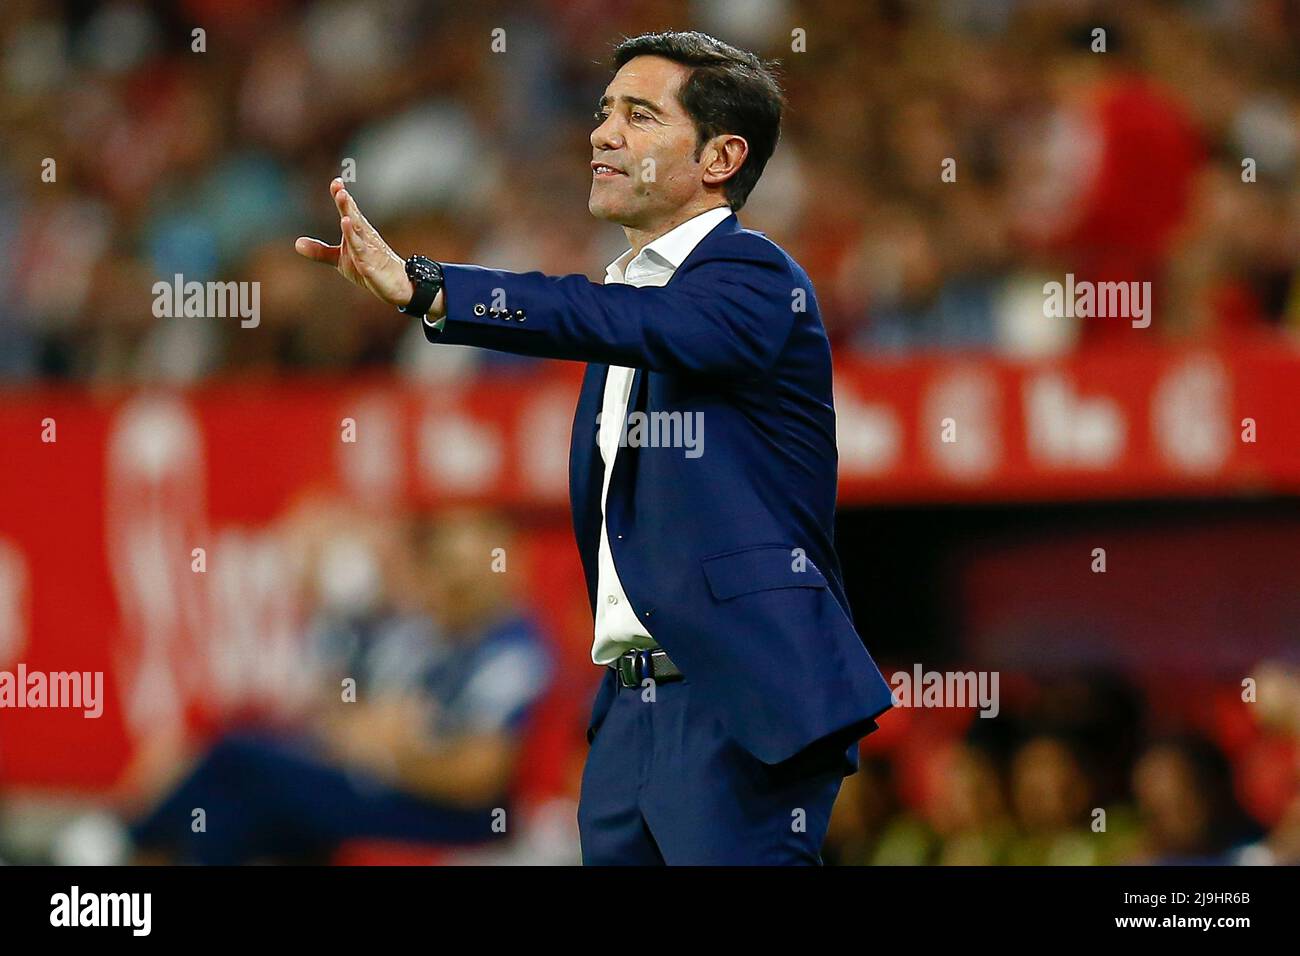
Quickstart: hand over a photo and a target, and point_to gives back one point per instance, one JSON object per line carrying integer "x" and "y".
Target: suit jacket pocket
{"x": 761, "y": 568}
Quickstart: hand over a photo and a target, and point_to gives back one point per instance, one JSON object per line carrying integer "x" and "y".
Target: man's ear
{"x": 723, "y": 157}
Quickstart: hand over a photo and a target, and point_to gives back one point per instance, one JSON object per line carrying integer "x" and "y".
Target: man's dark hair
{"x": 727, "y": 91}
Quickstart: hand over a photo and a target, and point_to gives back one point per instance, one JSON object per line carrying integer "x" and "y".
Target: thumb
{"x": 316, "y": 250}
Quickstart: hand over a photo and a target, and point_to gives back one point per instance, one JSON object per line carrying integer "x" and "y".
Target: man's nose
{"x": 607, "y": 135}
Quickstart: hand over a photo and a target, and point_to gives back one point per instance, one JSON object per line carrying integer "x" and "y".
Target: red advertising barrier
{"x": 1154, "y": 422}
{"x": 105, "y": 496}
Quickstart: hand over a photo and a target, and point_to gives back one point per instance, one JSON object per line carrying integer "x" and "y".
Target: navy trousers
{"x": 266, "y": 796}
{"x": 664, "y": 784}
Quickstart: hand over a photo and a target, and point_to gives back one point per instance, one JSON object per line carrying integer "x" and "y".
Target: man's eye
{"x": 600, "y": 116}
{"x": 638, "y": 115}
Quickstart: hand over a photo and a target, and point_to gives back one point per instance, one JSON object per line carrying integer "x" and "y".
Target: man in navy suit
{"x": 702, "y": 471}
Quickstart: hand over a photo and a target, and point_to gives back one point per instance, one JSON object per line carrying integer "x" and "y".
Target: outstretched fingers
{"x": 357, "y": 242}
{"x": 350, "y": 214}
{"x": 361, "y": 255}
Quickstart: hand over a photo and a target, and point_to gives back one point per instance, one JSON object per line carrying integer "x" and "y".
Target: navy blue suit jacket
{"x": 728, "y": 558}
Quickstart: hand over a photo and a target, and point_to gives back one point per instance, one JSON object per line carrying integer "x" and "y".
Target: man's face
{"x": 457, "y": 568}
{"x": 648, "y": 141}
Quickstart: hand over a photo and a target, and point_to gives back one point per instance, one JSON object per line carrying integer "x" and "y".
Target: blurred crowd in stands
{"x": 467, "y": 128}
{"x": 1085, "y": 769}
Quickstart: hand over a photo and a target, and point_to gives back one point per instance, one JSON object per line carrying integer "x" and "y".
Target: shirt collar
{"x": 672, "y": 248}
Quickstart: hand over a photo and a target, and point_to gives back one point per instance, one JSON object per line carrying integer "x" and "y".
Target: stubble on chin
{"x": 608, "y": 212}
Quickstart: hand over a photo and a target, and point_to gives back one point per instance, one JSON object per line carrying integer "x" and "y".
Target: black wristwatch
{"x": 426, "y": 276}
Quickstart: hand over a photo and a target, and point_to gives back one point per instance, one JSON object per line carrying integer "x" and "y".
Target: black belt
{"x": 633, "y": 667}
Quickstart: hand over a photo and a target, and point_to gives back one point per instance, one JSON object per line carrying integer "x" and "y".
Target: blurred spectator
{"x": 1054, "y": 798}
{"x": 869, "y": 825}
{"x": 422, "y": 746}
{"x": 1281, "y": 846}
{"x": 1190, "y": 815}
{"x": 1114, "y": 168}
{"x": 970, "y": 815}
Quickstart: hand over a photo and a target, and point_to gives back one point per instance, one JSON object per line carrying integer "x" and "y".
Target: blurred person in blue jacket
{"x": 421, "y": 744}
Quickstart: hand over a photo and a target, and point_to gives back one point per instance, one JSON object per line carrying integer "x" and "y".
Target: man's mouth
{"x": 605, "y": 171}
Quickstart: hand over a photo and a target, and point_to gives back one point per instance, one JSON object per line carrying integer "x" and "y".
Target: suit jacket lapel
{"x": 586, "y": 467}
{"x": 636, "y": 399}
{"x": 640, "y": 392}
{"x": 586, "y": 472}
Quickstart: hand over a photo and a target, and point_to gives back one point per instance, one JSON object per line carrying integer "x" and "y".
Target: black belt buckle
{"x": 633, "y": 666}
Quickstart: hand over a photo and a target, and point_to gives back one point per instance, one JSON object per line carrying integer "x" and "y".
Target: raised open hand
{"x": 361, "y": 256}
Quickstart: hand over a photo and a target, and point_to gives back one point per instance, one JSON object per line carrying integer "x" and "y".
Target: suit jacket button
{"x": 479, "y": 308}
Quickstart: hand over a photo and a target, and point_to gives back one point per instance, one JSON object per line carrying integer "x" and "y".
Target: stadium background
{"x": 1120, "y": 690}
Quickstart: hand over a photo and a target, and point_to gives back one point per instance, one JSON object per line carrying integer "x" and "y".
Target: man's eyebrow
{"x": 632, "y": 100}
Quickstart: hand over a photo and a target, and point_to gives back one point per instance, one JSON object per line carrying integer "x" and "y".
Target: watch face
{"x": 420, "y": 269}
{"x": 426, "y": 275}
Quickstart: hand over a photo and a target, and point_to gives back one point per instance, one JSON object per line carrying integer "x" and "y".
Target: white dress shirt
{"x": 617, "y": 626}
